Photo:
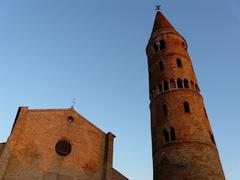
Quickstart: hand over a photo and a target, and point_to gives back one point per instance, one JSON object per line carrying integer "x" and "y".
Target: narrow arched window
{"x": 186, "y": 84}
{"x": 156, "y": 46}
{"x": 179, "y": 62}
{"x": 184, "y": 45}
{"x": 172, "y": 84}
{"x": 165, "y": 110}
{"x": 197, "y": 88}
{"x": 162, "y": 44}
{"x": 165, "y": 86}
{"x": 166, "y": 135}
{"x": 161, "y": 66}
{"x": 205, "y": 113}
{"x": 192, "y": 85}
{"x": 186, "y": 107}
{"x": 151, "y": 95}
{"x": 172, "y": 134}
{"x": 212, "y": 137}
{"x": 179, "y": 83}
{"x": 150, "y": 77}
{"x": 160, "y": 88}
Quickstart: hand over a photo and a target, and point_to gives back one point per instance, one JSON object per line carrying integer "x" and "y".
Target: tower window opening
{"x": 166, "y": 135}
{"x": 172, "y": 134}
{"x": 184, "y": 45}
{"x": 165, "y": 86}
{"x": 151, "y": 95}
{"x": 212, "y": 137}
{"x": 179, "y": 62}
{"x": 186, "y": 107}
{"x": 186, "y": 83}
{"x": 162, "y": 44}
{"x": 161, "y": 66}
{"x": 156, "y": 46}
{"x": 165, "y": 110}
{"x": 160, "y": 88}
{"x": 192, "y": 85}
{"x": 172, "y": 84}
{"x": 179, "y": 83}
{"x": 150, "y": 77}
{"x": 197, "y": 88}
{"x": 205, "y": 113}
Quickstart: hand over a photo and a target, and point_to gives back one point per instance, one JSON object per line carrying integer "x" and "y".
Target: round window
{"x": 63, "y": 147}
{"x": 70, "y": 119}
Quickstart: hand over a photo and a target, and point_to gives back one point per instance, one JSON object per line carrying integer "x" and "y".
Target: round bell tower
{"x": 183, "y": 145}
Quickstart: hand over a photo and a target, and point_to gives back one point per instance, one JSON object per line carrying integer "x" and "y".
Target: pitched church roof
{"x": 70, "y": 110}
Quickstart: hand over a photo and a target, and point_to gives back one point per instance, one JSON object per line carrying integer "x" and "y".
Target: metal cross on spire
{"x": 158, "y": 7}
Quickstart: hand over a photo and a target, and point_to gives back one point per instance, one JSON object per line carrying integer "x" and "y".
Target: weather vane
{"x": 73, "y": 103}
{"x": 158, "y": 7}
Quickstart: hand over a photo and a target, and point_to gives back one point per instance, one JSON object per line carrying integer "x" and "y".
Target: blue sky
{"x": 52, "y": 51}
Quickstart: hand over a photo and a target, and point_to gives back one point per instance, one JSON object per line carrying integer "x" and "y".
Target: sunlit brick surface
{"x": 30, "y": 150}
{"x": 188, "y": 152}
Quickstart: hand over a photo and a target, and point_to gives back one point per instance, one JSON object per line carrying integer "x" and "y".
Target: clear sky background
{"x": 52, "y": 51}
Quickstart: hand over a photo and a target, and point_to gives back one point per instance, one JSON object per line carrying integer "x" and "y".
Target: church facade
{"x": 57, "y": 144}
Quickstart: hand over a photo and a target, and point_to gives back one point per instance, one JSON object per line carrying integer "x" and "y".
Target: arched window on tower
{"x": 165, "y": 86}
{"x": 165, "y": 110}
{"x": 186, "y": 84}
{"x": 212, "y": 137}
{"x": 162, "y": 44}
{"x": 156, "y": 46}
{"x": 172, "y": 84}
{"x": 192, "y": 85}
{"x": 150, "y": 77}
{"x": 161, "y": 66}
{"x": 205, "y": 113}
{"x": 179, "y": 62}
{"x": 179, "y": 83}
{"x": 166, "y": 135}
{"x": 160, "y": 88}
{"x": 184, "y": 45}
{"x": 197, "y": 88}
{"x": 172, "y": 134}
{"x": 186, "y": 107}
{"x": 151, "y": 95}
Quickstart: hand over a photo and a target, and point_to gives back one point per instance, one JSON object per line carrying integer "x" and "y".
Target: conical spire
{"x": 161, "y": 22}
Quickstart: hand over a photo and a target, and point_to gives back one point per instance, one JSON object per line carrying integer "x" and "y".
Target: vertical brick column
{"x": 109, "y": 155}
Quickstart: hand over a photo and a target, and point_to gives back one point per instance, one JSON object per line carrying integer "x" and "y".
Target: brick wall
{"x": 1, "y": 147}
{"x": 32, "y": 153}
